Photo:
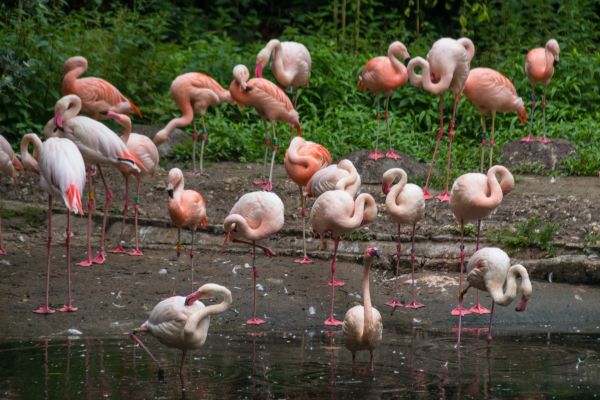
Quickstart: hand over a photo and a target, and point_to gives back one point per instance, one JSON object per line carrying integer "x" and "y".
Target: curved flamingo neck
{"x": 549, "y": 64}
{"x": 368, "y": 309}
{"x": 506, "y": 297}
{"x": 70, "y": 109}
{"x": 28, "y": 160}
{"x": 349, "y": 182}
{"x": 507, "y": 181}
{"x": 190, "y": 328}
{"x": 239, "y": 223}
{"x": 469, "y": 47}
{"x": 70, "y": 78}
{"x": 304, "y": 161}
{"x": 393, "y": 53}
{"x": 424, "y": 80}
{"x": 391, "y": 198}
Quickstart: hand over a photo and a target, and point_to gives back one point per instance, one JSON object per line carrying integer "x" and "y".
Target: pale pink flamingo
{"x": 271, "y": 103}
{"x": 291, "y": 64}
{"x": 96, "y": 94}
{"x": 381, "y": 75}
{"x": 490, "y": 91}
{"x": 539, "y": 67}
{"x": 9, "y": 164}
{"x": 186, "y": 209}
{"x": 489, "y": 269}
{"x": 447, "y": 67}
{"x": 340, "y": 176}
{"x": 99, "y": 146}
{"x": 255, "y": 216}
{"x": 406, "y": 205}
{"x": 183, "y": 322}
{"x": 62, "y": 173}
{"x": 145, "y": 151}
{"x": 302, "y": 160}
{"x": 337, "y": 212}
{"x": 193, "y": 92}
{"x": 363, "y": 327}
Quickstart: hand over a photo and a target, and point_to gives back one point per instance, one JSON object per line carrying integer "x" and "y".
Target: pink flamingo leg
{"x": 254, "y": 320}
{"x": 376, "y": 154}
{"x": 544, "y": 139}
{"x": 333, "y": 282}
{"x": 395, "y": 303}
{"x": 45, "y": 309}
{"x": 90, "y": 179}
{"x": 331, "y": 321}
{"x": 269, "y": 186}
{"x": 489, "y": 335}
{"x": 391, "y": 153}
{"x": 137, "y": 251}
{"x": 414, "y": 303}
{"x": 119, "y": 248}
{"x": 194, "y": 145}
{"x": 530, "y": 137}
{"x": 483, "y": 142}
{"x": 2, "y": 249}
{"x": 261, "y": 180}
{"x": 136, "y": 339}
{"x": 478, "y": 308}
{"x": 459, "y": 310}
{"x": 101, "y": 257}
{"x": 69, "y": 306}
{"x": 426, "y": 194}
{"x": 446, "y": 195}
{"x": 202, "y": 144}
{"x": 192, "y": 256}
{"x": 305, "y": 259}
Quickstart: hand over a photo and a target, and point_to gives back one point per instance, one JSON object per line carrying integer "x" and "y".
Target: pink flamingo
{"x": 363, "y": 328}
{"x": 406, "y": 205}
{"x": 490, "y": 91}
{"x": 183, "y": 322}
{"x": 291, "y": 64}
{"x": 381, "y": 75}
{"x": 340, "y": 176}
{"x": 193, "y": 92}
{"x": 271, "y": 103}
{"x": 255, "y": 216}
{"x": 145, "y": 150}
{"x": 302, "y": 160}
{"x": 447, "y": 67}
{"x": 337, "y": 212}
{"x": 489, "y": 269}
{"x": 186, "y": 209}
{"x": 62, "y": 173}
{"x": 96, "y": 94}
{"x": 9, "y": 164}
{"x": 98, "y": 145}
{"x": 539, "y": 67}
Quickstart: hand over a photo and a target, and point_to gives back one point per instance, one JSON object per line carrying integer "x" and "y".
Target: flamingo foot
{"x": 479, "y": 309}
{"x": 393, "y": 154}
{"x": 303, "y": 260}
{"x": 414, "y": 304}
{"x": 544, "y": 140}
{"x": 136, "y": 252}
{"x": 376, "y": 155}
{"x": 86, "y": 263}
{"x": 44, "y": 310}
{"x": 335, "y": 283}
{"x": 255, "y": 321}
{"x": 117, "y": 250}
{"x": 260, "y": 180}
{"x": 528, "y": 138}
{"x": 394, "y": 303}
{"x": 100, "y": 258}
{"x": 426, "y": 194}
{"x": 268, "y": 187}
{"x": 67, "y": 308}
{"x": 331, "y": 321}
{"x": 444, "y": 196}
{"x": 2, "y": 251}
{"x": 460, "y": 310}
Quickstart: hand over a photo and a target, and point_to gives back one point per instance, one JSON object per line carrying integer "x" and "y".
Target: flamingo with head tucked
{"x": 9, "y": 164}
{"x": 340, "y": 176}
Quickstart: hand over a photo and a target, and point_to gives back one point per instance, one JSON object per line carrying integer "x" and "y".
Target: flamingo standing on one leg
{"x": 255, "y": 216}
{"x": 145, "y": 150}
{"x": 447, "y": 67}
{"x": 539, "y": 67}
{"x": 337, "y": 212}
{"x": 269, "y": 100}
{"x": 381, "y": 75}
{"x": 302, "y": 160}
{"x": 98, "y": 145}
{"x": 291, "y": 64}
{"x": 489, "y": 269}
{"x": 363, "y": 328}
{"x": 186, "y": 209}
{"x": 193, "y": 92}
{"x": 406, "y": 205}
{"x": 96, "y": 94}
{"x": 9, "y": 164}
{"x": 62, "y": 173}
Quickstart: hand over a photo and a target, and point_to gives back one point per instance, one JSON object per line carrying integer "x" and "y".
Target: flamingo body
{"x": 383, "y": 74}
{"x": 303, "y": 159}
{"x": 186, "y": 207}
{"x": 9, "y": 162}
{"x": 337, "y": 212}
{"x": 342, "y": 176}
{"x": 540, "y": 61}
{"x": 291, "y": 63}
{"x": 255, "y": 216}
{"x": 404, "y": 201}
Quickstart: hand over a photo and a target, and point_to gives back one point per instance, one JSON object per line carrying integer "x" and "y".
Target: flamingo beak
{"x": 258, "y": 70}
{"x": 58, "y": 119}
{"x": 406, "y": 61}
{"x": 385, "y": 188}
{"x": 375, "y": 251}
{"x": 170, "y": 191}
{"x": 523, "y": 116}
{"x": 192, "y": 298}
{"x": 522, "y": 304}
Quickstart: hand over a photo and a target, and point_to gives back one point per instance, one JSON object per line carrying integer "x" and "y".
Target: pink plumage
{"x": 290, "y": 63}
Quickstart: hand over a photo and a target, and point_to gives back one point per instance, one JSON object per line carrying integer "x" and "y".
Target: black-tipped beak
{"x": 104, "y": 113}
{"x": 406, "y": 61}
{"x": 170, "y": 193}
{"x": 555, "y": 62}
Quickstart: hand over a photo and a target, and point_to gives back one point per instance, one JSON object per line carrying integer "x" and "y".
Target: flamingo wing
{"x": 267, "y": 93}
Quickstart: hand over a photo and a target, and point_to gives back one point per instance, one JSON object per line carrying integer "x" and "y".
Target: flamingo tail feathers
{"x": 361, "y": 84}
{"x": 130, "y": 158}
{"x": 73, "y": 199}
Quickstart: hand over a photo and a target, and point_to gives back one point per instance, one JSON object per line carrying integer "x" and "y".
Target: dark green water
{"x": 308, "y": 365}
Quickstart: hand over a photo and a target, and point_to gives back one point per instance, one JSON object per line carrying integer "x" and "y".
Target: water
{"x": 307, "y": 365}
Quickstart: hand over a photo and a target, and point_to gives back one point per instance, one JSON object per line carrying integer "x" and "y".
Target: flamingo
{"x": 255, "y": 216}
{"x": 539, "y": 67}
{"x": 271, "y": 103}
{"x": 447, "y": 67}
{"x": 406, "y": 205}
{"x": 363, "y": 328}
{"x": 145, "y": 150}
{"x": 183, "y": 322}
{"x": 489, "y": 269}
{"x": 186, "y": 209}
{"x": 381, "y": 75}
{"x": 9, "y": 164}
{"x": 96, "y": 94}
{"x": 193, "y": 92}
{"x": 62, "y": 173}
{"x": 337, "y": 212}
{"x": 291, "y": 64}
{"x": 490, "y": 91}
{"x": 98, "y": 145}
{"x": 341, "y": 176}
{"x": 302, "y": 160}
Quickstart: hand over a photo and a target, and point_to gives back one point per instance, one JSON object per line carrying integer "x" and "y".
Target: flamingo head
{"x": 175, "y": 179}
{"x": 522, "y": 305}
{"x": 58, "y": 121}
{"x": 373, "y": 252}
{"x": 193, "y": 297}
{"x": 241, "y": 75}
{"x": 385, "y": 187}
{"x": 554, "y": 48}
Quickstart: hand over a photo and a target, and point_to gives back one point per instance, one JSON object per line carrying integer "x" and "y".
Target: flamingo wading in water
{"x": 9, "y": 164}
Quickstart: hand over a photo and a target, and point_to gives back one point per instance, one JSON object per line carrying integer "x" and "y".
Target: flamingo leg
{"x": 544, "y": 139}
{"x": 483, "y": 142}
{"x": 305, "y": 259}
{"x": 69, "y": 306}
{"x": 119, "y": 248}
{"x": 254, "y": 320}
{"x": 101, "y": 257}
{"x": 372, "y": 362}
{"x": 492, "y": 138}
{"x": 268, "y": 252}
{"x": 296, "y": 97}
{"x": 178, "y": 248}
{"x": 136, "y": 339}
{"x": 489, "y": 335}
{"x": 183, "y": 354}
{"x": 269, "y": 186}
{"x": 192, "y": 256}
{"x": 413, "y": 304}
{"x": 426, "y": 194}
{"x": 446, "y": 195}
{"x": 391, "y": 153}
{"x": 529, "y": 137}
{"x": 45, "y": 309}
{"x": 2, "y": 249}
{"x": 376, "y": 154}
{"x": 331, "y": 321}
{"x": 395, "y": 303}
{"x": 194, "y": 145}
{"x": 137, "y": 251}
{"x": 478, "y": 308}
{"x": 459, "y": 310}
{"x": 90, "y": 178}
{"x": 202, "y": 144}
{"x": 261, "y": 180}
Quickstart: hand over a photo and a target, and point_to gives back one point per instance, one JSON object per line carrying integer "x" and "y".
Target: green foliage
{"x": 469, "y": 229}
{"x": 32, "y": 216}
{"x": 529, "y": 234}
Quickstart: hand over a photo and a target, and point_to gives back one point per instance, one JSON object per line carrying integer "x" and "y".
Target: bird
{"x": 271, "y": 103}
{"x": 9, "y": 164}
{"x": 255, "y": 216}
{"x": 96, "y": 94}
{"x": 99, "y": 146}
{"x": 489, "y": 269}
{"x": 290, "y": 63}
{"x": 302, "y": 160}
{"x": 193, "y": 92}
{"x": 405, "y": 204}
{"x": 183, "y": 322}
{"x": 336, "y": 211}
{"x": 145, "y": 150}
{"x": 447, "y": 67}
{"x": 341, "y": 176}
{"x": 539, "y": 67}
{"x": 62, "y": 174}
{"x": 381, "y": 75}
{"x": 187, "y": 209}
{"x": 363, "y": 327}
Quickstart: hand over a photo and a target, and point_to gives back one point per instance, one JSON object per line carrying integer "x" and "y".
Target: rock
{"x": 536, "y": 157}
{"x": 371, "y": 171}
